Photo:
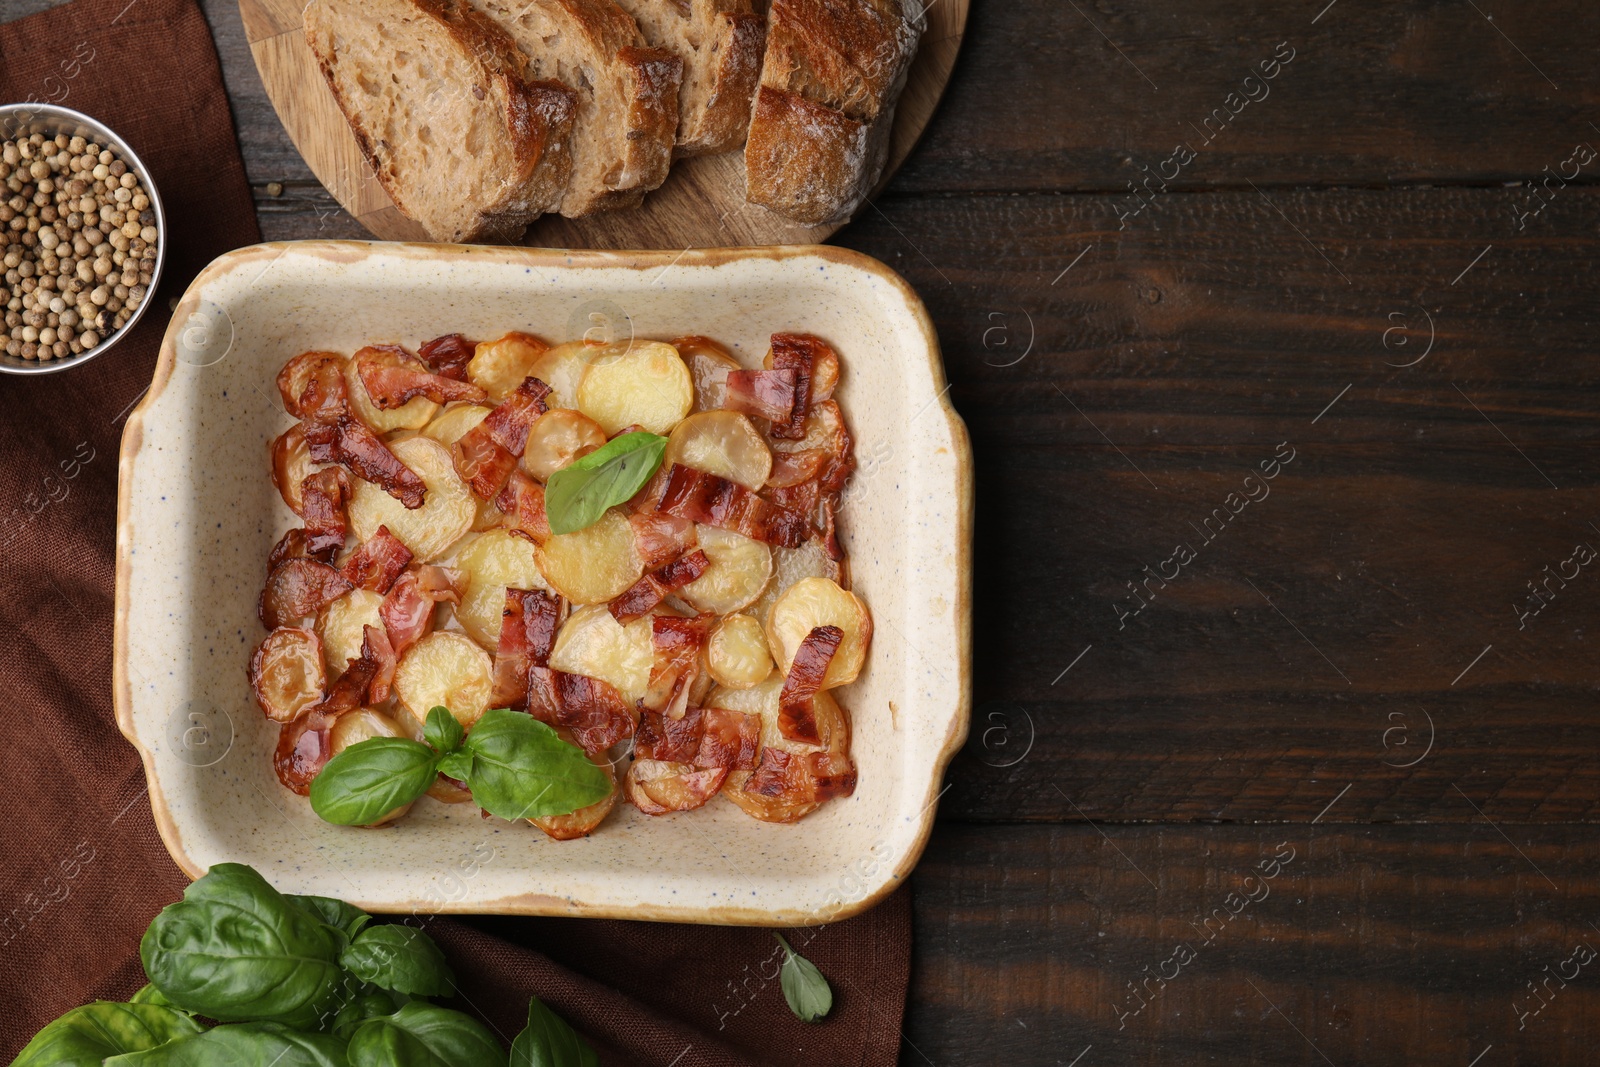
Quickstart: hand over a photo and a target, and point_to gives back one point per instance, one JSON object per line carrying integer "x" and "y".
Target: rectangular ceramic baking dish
{"x": 197, "y": 515}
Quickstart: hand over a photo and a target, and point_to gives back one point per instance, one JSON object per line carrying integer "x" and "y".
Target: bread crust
{"x": 533, "y": 117}
{"x": 830, "y": 77}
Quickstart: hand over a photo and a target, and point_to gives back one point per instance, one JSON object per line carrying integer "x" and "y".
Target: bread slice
{"x": 819, "y": 130}
{"x": 720, "y": 43}
{"x": 627, "y": 94}
{"x": 464, "y": 140}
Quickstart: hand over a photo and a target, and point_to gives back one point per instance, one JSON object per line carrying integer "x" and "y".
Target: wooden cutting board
{"x": 701, "y": 205}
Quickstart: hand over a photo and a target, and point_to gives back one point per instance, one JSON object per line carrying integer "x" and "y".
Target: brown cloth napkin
{"x": 82, "y": 870}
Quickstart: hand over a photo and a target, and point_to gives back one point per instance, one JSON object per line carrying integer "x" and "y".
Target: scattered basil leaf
{"x": 521, "y": 769}
{"x": 550, "y": 1042}
{"x": 808, "y": 993}
{"x": 401, "y": 958}
{"x": 443, "y": 730}
{"x": 86, "y": 1036}
{"x": 242, "y": 1045}
{"x": 425, "y": 1035}
{"x": 234, "y": 949}
{"x": 149, "y": 994}
{"x": 457, "y": 765}
{"x": 371, "y": 778}
{"x": 336, "y": 913}
{"x": 368, "y": 1004}
{"x": 578, "y": 494}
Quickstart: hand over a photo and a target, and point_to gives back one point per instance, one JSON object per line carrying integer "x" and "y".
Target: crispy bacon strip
{"x": 592, "y": 709}
{"x": 777, "y": 775}
{"x": 797, "y": 718}
{"x": 830, "y": 529}
{"x": 832, "y": 775}
{"x": 486, "y": 455}
{"x": 652, "y": 589}
{"x": 677, "y": 643}
{"x": 702, "y": 497}
{"x": 407, "y": 610}
{"x": 449, "y": 355}
{"x": 348, "y": 441}
{"x": 661, "y": 737}
{"x": 522, "y": 501}
{"x": 378, "y": 562}
{"x": 292, "y": 545}
{"x": 527, "y": 636}
{"x": 375, "y": 643}
{"x": 814, "y": 777}
{"x": 728, "y": 739}
{"x": 394, "y": 377}
{"x": 767, "y": 394}
{"x": 802, "y": 498}
{"x": 801, "y": 353}
{"x": 299, "y": 372}
{"x": 648, "y": 499}
{"x": 297, "y": 589}
{"x": 323, "y": 498}
{"x": 305, "y": 745}
{"x": 661, "y": 538}
{"x": 323, "y": 397}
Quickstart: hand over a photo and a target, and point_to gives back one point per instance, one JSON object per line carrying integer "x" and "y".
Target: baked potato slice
{"x": 291, "y": 466}
{"x": 453, "y": 422}
{"x": 657, "y": 787}
{"x": 736, "y": 652}
{"x": 498, "y": 367}
{"x": 791, "y": 565}
{"x": 448, "y": 670}
{"x": 342, "y": 624}
{"x": 740, "y": 569}
{"x": 287, "y": 675}
{"x": 493, "y": 562}
{"x": 813, "y": 602}
{"x": 559, "y": 437}
{"x": 595, "y": 564}
{"x": 445, "y": 515}
{"x": 562, "y": 368}
{"x": 709, "y": 364}
{"x": 414, "y": 414}
{"x": 644, "y": 384}
{"x": 724, "y": 443}
{"x": 594, "y": 644}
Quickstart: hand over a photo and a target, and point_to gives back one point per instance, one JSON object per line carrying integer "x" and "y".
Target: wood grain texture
{"x": 701, "y": 204}
{"x": 1376, "y": 946}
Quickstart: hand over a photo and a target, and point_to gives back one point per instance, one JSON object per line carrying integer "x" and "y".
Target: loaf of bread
{"x": 819, "y": 130}
{"x": 720, "y": 43}
{"x": 627, "y": 94}
{"x": 464, "y": 140}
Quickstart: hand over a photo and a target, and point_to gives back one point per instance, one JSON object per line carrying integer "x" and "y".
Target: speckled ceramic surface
{"x": 198, "y": 514}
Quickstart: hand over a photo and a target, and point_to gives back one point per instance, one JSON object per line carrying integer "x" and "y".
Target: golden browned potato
{"x": 736, "y": 652}
{"x": 644, "y": 384}
{"x": 291, "y": 466}
{"x": 286, "y": 673}
{"x": 559, "y": 437}
{"x": 740, "y": 568}
{"x": 814, "y": 602}
{"x": 790, "y": 565}
{"x": 595, "y": 564}
{"x": 448, "y": 670}
{"x": 562, "y": 368}
{"x": 498, "y": 367}
{"x": 445, "y": 515}
{"x": 833, "y": 727}
{"x": 591, "y": 642}
{"x": 724, "y": 443}
{"x": 451, "y": 424}
{"x": 493, "y": 562}
{"x": 364, "y": 725}
{"x": 414, "y": 414}
{"x": 657, "y": 787}
{"x": 342, "y": 626}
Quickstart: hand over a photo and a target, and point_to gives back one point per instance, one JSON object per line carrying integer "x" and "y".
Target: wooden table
{"x": 1328, "y": 796}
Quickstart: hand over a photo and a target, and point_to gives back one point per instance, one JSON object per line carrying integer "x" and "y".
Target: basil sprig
{"x": 515, "y": 766}
{"x": 296, "y": 982}
{"x": 578, "y": 494}
{"x": 808, "y": 993}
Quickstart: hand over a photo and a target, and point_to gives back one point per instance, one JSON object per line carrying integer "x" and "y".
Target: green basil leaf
{"x": 550, "y": 1042}
{"x": 243, "y": 1045}
{"x": 336, "y": 913}
{"x": 521, "y": 769}
{"x": 443, "y": 730}
{"x": 234, "y": 949}
{"x": 457, "y": 765}
{"x": 86, "y": 1036}
{"x": 149, "y": 994}
{"x": 579, "y": 493}
{"x": 371, "y": 778}
{"x": 365, "y": 1005}
{"x": 425, "y": 1035}
{"x": 400, "y": 958}
{"x": 808, "y": 993}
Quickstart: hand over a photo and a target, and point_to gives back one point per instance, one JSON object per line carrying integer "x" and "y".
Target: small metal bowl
{"x": 22, "y": 120}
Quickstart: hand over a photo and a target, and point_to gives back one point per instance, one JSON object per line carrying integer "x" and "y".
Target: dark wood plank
{"x": 1374, "y": 946}
{"x": 1393, "y": 547}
